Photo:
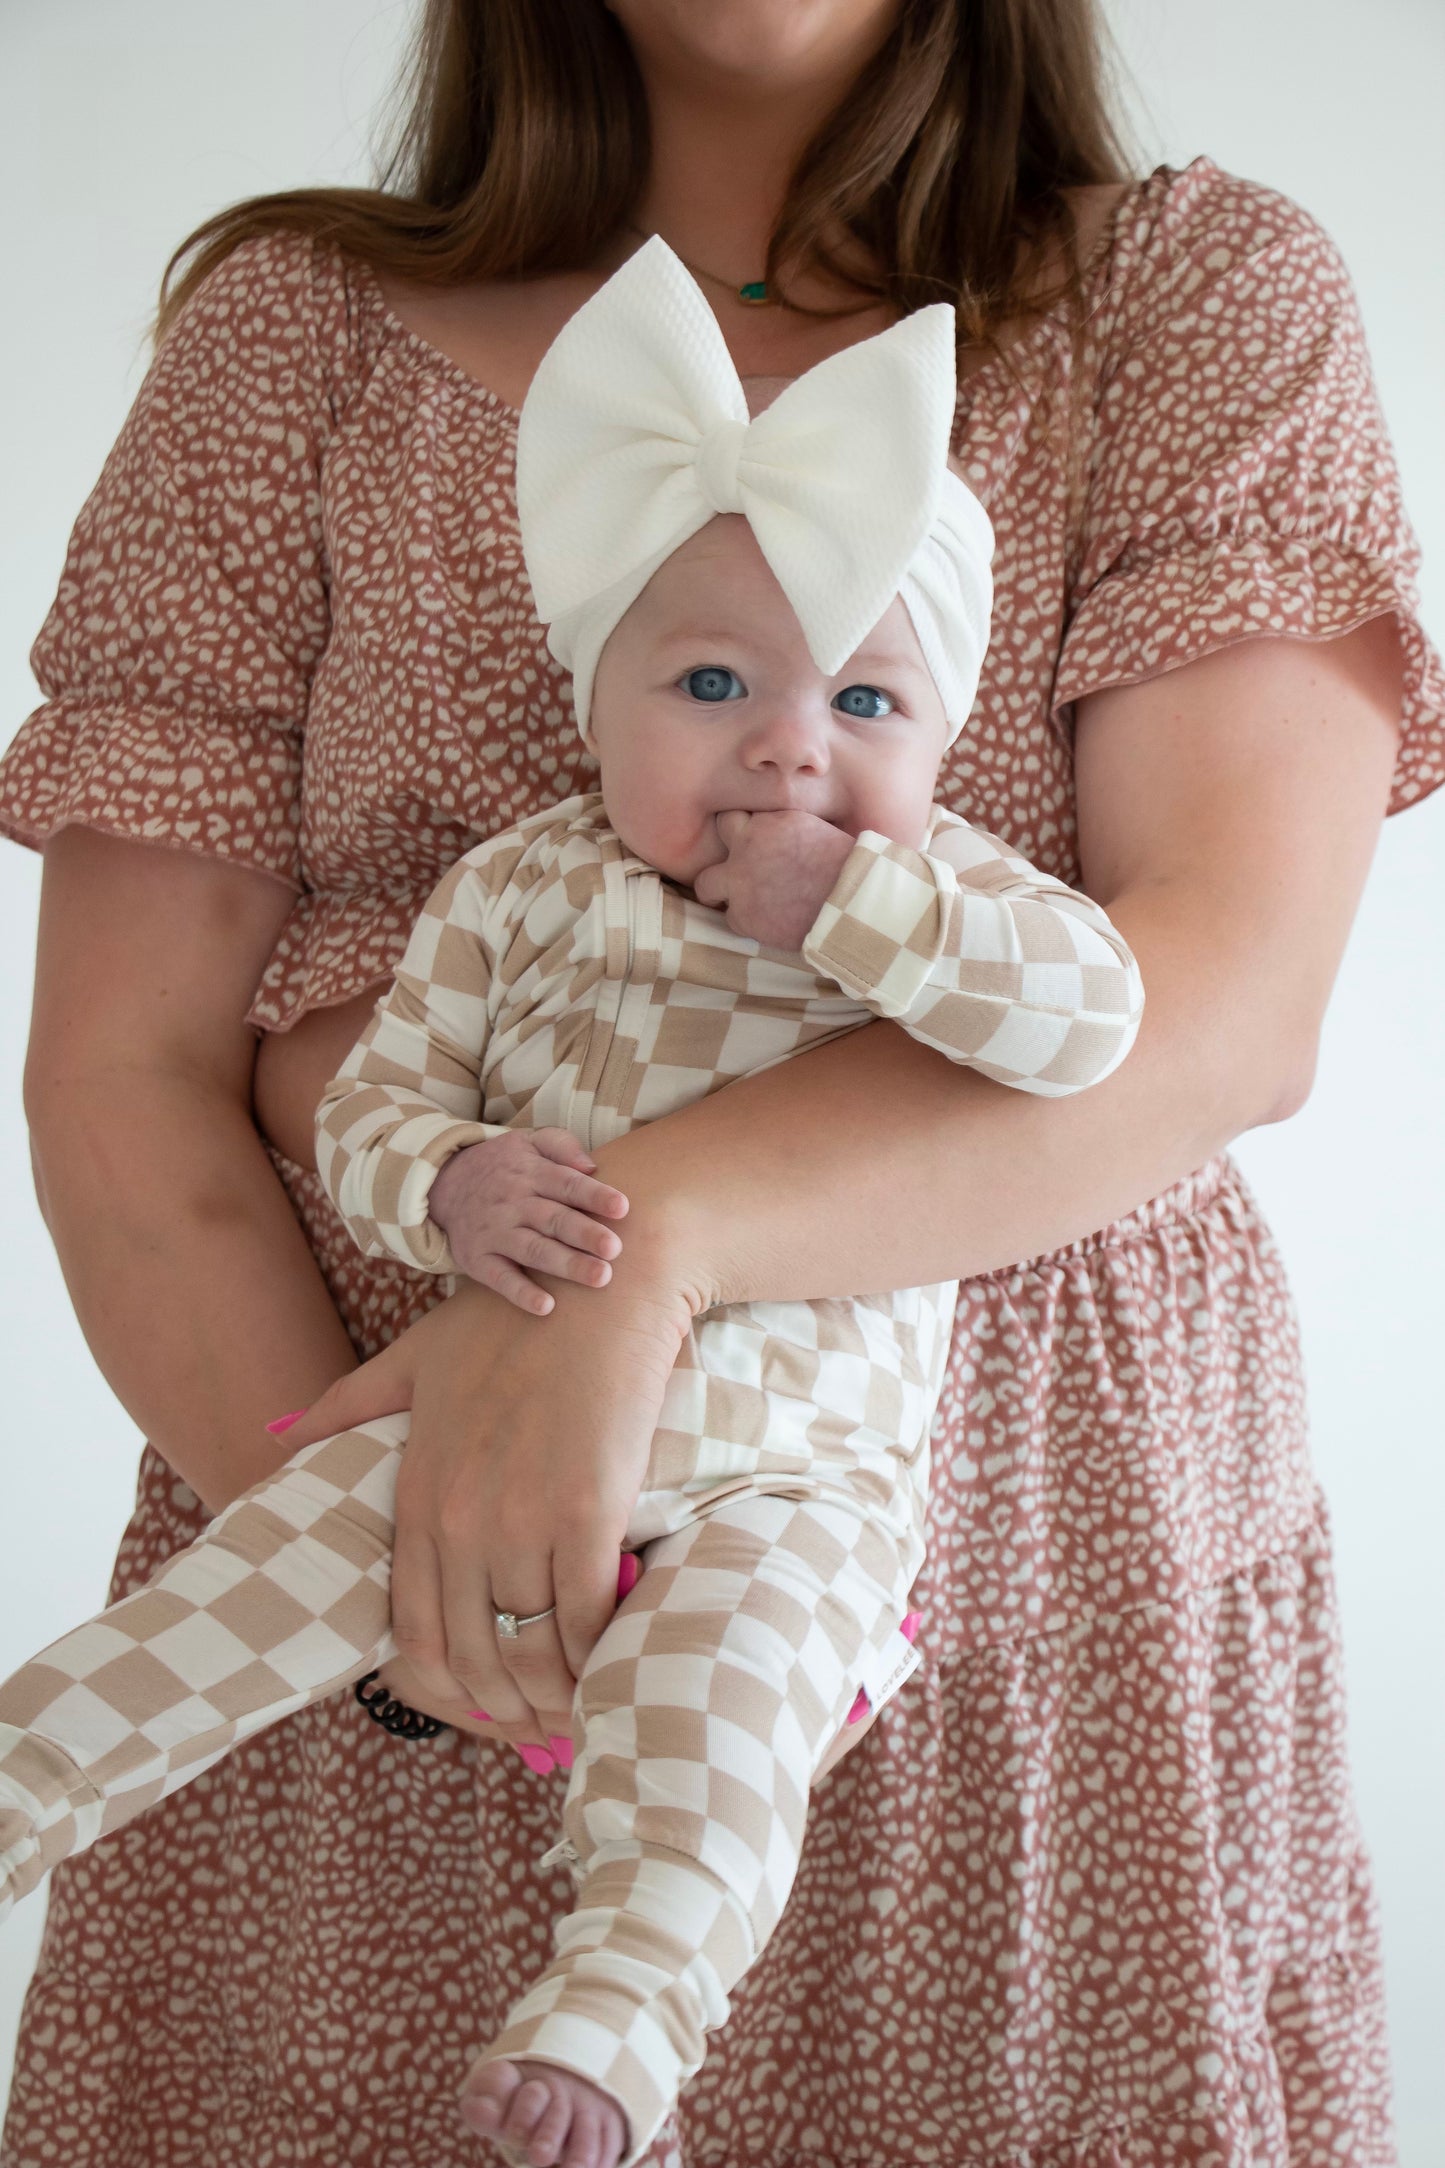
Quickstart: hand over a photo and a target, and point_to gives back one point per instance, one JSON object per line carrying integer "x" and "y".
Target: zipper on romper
{"x": 632, "y": 930}
{"x": 616, "y": 935}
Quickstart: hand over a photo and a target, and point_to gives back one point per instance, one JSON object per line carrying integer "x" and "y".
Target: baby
{"x": 775, "y": 630}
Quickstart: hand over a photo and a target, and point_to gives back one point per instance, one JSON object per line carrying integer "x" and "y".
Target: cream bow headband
{"x": 635, "y": 432}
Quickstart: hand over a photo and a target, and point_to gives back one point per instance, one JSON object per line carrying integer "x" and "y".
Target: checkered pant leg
{"x": 702, "y": 1714}
{"x": 285, "y": 1598}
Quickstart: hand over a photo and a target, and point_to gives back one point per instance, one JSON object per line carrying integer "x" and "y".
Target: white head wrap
{"x": 635, "y": 432}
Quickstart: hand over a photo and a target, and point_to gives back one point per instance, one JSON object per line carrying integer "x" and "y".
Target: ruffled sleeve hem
{"x": 152, "y": 775}
{"x": 194, "y": 602}
{"x": 1159, "y": 615}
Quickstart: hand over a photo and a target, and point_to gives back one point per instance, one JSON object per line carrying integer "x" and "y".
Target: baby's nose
{"x": 791, "y": 739}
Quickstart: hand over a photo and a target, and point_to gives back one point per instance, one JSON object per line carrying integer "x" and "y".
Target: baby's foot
{"x": 544, "y": 2116}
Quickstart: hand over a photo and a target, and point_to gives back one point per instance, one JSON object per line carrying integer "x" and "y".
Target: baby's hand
{"x": 525, "y": 1199}
{"x": 779, "y": 871}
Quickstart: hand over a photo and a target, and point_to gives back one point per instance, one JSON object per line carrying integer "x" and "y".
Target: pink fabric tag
{"x": 909, "y": 1630}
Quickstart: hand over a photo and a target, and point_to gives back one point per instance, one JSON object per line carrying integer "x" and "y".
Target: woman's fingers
{"x": 546, "y": 1659}
{"x": 539, "y": 1671}
{"x": 382, "y": 1386}
{"x": 419, "y": 1624}
{"x": 416, "y": 1612}
{"x": 476, "y": 1653}
{"x": 397, "y": 1676}
{"x": 526, "y": 1455}
{"x": 588, "y": 1587}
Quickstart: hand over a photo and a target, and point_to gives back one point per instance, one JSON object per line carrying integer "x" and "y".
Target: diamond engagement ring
{"x": 509, "y": 1625}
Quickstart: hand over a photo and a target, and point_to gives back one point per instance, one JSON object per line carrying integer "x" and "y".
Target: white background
{"x": 124, "y": 127}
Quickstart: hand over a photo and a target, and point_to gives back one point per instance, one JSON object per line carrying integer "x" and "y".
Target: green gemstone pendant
{"x": 755, "y": 292}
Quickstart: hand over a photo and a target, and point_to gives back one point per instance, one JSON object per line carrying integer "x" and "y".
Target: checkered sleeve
{"x": 974, "y": 951}
{"x": 409, "y": 1093}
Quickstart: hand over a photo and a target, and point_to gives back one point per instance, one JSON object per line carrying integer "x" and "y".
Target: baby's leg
{"x": 285, "y": 1597}
{"x": 702, "y": 1716}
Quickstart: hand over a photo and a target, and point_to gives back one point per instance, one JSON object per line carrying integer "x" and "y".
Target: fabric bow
{"x": 635, "y": 432}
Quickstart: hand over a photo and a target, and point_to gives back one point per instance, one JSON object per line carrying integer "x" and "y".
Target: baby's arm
{"x": 400, "y": 1144}
{"x": 976, "y": 952}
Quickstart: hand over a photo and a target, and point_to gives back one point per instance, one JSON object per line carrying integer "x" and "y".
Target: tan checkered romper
{"x": 555, "y": 978}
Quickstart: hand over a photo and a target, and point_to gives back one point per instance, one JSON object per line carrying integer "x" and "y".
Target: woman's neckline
{"x": 445, "y": 365}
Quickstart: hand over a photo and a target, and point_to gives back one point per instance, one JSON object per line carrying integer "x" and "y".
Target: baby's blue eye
{"x": 714, "y": 682}
{"x": 860, "y": 700}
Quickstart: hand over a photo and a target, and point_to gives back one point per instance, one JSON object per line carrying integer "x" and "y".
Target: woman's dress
{"x": 1092, "y": 1893}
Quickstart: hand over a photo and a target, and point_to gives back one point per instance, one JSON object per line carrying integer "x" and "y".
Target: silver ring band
{"x": 509, "y": 1625}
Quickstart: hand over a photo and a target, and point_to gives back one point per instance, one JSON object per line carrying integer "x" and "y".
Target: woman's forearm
{"x": 875, "y": 1163}
{"x": 191, "y": 1278}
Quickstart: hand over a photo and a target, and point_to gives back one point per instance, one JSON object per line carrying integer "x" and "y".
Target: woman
{"x": 1091, "y": 1890}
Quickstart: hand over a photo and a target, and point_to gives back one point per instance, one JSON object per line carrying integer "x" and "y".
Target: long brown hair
{"x": 524, "y": 145}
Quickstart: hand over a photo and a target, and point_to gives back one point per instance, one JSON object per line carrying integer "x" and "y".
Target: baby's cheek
{"x": 900, "y": 812}
{"x": 703, "y": 849}
{"x": 680, "y": 841}
{"x": 686, "y": 834}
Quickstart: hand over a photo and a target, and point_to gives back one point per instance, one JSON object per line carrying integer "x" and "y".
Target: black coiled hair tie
{"x": 397, "y": 1717}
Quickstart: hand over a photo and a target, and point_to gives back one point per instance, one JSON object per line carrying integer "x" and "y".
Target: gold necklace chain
{"x": 753, "y": 292}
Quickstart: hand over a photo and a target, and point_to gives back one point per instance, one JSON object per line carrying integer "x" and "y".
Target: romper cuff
{"x": 385, "y": 1188}
{"x": 1008, "y": 971}
{"x": 881, "y": 929}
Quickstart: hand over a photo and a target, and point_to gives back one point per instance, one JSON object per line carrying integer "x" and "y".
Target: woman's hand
{"x": 402, "y": 1680}
{"x": 529, "y": 1444}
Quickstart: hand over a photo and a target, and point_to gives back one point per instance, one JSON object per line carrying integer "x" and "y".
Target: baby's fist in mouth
{"x": 779, "y": 872}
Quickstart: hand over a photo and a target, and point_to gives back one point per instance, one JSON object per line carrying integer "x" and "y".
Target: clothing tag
{"x": 882, "y": 1671}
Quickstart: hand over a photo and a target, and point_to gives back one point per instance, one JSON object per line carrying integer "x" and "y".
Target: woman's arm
{"x": 192, "y": 1280}
{"x": 1228, "y": 814}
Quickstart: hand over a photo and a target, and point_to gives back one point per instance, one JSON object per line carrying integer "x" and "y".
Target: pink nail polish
{"x": 910, "y": 1626}
{"x": 284, "y": 1422}
{"x": 538, "y": 1760}
{"x": 859, "y": 1709}
{"x": 562, "y": 1749}
{"x": 629, "y": 1573}
{"x": 480, "y": 1715}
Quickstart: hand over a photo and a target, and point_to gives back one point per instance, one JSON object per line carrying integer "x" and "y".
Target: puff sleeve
{"x": 1242, "y": 480}
{"x": 177, "y": 656}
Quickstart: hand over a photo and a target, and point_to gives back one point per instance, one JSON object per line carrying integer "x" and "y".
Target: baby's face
{"x": 706, "y": 701}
